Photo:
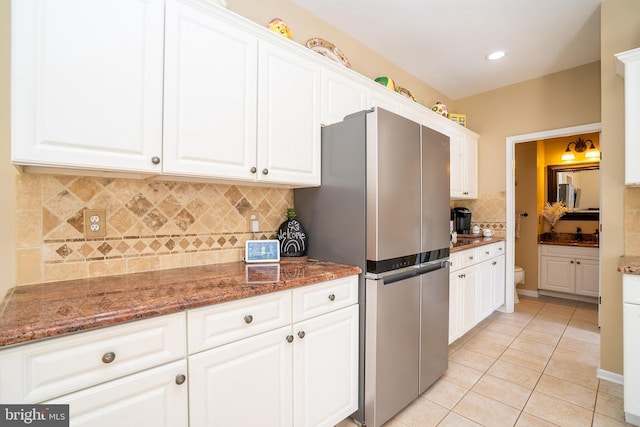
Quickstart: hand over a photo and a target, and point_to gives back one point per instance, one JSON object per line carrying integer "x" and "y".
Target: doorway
{"x": 511, "y": 142}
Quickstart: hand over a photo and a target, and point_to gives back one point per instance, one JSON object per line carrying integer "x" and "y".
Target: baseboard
{"x": 573, "y": 297}
{"x": 528, "y": 293}
{"x": 612, "y": 377}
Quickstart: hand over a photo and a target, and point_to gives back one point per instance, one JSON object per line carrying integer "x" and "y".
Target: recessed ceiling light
{"x": 494, "y": 56}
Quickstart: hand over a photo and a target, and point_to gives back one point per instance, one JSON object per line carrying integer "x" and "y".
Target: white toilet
{"x": 518, "y": 278}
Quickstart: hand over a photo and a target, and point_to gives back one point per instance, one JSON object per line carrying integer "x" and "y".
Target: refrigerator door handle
{"x": 418, "y": 271}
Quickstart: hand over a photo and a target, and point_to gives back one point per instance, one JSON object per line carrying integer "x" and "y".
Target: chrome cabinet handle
{"x": 332, "y": 297}
{"x": 248, "y": 318}
{"x": 301, "y": 334}
{"x": 155, "y": 160}
{"x": 108, "y": 357}
{"x": 265, "y": 171}
{"x": 253, "y": 169}
{"x": 180, "y": 379}
{"x": 289, "y": 338}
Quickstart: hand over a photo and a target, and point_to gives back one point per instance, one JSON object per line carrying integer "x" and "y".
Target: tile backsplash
{"x": 151, "y": 224}
{"x": 489, "y": 210}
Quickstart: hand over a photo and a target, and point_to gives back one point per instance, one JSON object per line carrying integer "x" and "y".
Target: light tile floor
{"x": 534, "y": 367}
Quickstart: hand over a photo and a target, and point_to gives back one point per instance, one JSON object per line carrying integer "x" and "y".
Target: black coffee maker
{"x": 461, "y": 220}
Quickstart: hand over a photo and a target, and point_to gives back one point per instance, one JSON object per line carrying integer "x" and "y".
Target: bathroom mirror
{"x": 578, "y": 185}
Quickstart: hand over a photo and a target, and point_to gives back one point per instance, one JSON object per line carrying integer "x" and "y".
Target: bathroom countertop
{"x": 629, "y": 265}
{"x": 569, "y": 239}
{"x": 472, "y": 241}
{"x": 44, "y": 310}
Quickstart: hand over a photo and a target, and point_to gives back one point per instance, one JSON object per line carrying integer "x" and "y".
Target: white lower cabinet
{"x": 631, "y": 352}
{"x": 245, "y": 383}
{"x": 304, "y": 373}
{"x": 156, "y": 397}
{"x": 476, "y": 287}
{"x": 287, "y": 358}
{"x": 569, "y": 269}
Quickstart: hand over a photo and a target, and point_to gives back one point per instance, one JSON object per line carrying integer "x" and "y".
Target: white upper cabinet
{"x": 463, "y": 157}
{"x": 628, "y": 66}
{"x": 341, "y": 96}
{"x": 87, "y": 83}
{"x": 211, "y": 84}
{"x": 288, "y": 118}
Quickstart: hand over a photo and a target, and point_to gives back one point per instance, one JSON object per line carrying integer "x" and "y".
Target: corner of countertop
{"x": 629, "y": 264}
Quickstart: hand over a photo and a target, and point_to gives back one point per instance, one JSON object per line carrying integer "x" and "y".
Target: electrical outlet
{"x": 254, "y": 223}
{"x": 95, "y": 223}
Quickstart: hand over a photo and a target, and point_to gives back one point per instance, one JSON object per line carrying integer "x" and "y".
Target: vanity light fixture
{"x": 580, "y": 146}
{"x": 494, "y": 56}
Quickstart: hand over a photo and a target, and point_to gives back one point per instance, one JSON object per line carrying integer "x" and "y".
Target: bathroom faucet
{"x": 579, "y": 234}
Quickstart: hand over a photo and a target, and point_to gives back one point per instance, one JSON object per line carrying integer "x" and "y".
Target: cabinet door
{"x": 210, "y": 99}
{"x": 587, "y": 277}
{"x": 156, "y": 397}
{"x": 87, "y": 83}
{"x": 325, "y": 368}
{"x": 471, "y": 167}
{"x": 469, "y": 307}
{"x": 340, "y": 96}
{"x": 245, "y": 383}
{"x": 457, "y": 166}
{"x": 557, "y": 274}
{"x": 630, "y": 63}
{"x": 289, "y": 118}
{"x": 485, "y": 289}
{"x": 454, "y": 306}
{"x": 631, "y": 315}
{"x": 498, "y": 281}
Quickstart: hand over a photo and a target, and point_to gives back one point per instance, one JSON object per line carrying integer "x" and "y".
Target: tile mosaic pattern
{"x": 632, "y": 220}
{"x": 534, "y": 367}
{"x": 489, "y": 210}
{"x": 171, "y": 224}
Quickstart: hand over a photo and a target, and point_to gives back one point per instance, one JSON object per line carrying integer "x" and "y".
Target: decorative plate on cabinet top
{"x": 328, "y": 49}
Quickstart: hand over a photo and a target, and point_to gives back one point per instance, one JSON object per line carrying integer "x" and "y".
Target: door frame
{"x": 511, "y": 141}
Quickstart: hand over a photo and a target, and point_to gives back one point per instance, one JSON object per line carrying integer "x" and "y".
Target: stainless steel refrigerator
{"x": 384, "y": 205}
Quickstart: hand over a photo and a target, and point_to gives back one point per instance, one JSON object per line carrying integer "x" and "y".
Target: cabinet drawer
{"x": 569, "y": 251}
{"x": 631, "y": 288}
{"x": 485, "y": 252}
{"x": 227, "y": 322}
{"x": 455, "y": 262}
{"x": 468, "y": 257}
{"x": 314, "y": 300}
{"x": 35, "y": 372}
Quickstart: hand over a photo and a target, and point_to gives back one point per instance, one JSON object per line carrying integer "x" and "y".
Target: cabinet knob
{"x": 571, "y": 261}
{"x": 180, "y": 379}
{"x": 248, "y": 318}
{"x": 253, "y": 170}
{"x": 108, "y": 357}
{"x": 265, "y": 171}
{"x": 301, "y": 334}
{"x": 471, "y": 258}
{"x": 332, "y": 297}
{"x": 155, "y": 160}
{"x": 486, "y": 252}
{"x": 577, "y": 262}
{"x": 495, "y": 262}
{"x": 289, "y": 338}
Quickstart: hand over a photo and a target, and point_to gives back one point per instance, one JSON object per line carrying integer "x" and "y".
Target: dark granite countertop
{"x": 472, "y": 241}
{"x": 32, "y": 312}
{"x": 569, "y": 239}
{"x": 629, "y": 264}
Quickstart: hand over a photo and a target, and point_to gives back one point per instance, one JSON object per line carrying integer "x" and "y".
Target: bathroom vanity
{"x": 568, "y": 264}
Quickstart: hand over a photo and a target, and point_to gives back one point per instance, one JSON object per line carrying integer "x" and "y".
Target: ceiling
{"x": 444, "y": 42}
